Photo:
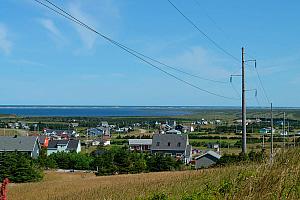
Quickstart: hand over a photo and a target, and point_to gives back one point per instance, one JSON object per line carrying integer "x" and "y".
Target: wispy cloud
{"x": 25, "y": 62}
{"x": 87, "y": 37}
{"x": 200, "y": 61}
{"x": 54, "y": 32}
{"x": 5, "y": 43}
{"x": 102, "y": 15}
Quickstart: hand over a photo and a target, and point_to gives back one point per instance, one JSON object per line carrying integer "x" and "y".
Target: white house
{"x": 55, "y": 146}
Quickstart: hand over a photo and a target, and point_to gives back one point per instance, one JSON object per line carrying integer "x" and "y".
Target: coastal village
{"x": 183, "y": 141}
{"x": 149, "y": 100}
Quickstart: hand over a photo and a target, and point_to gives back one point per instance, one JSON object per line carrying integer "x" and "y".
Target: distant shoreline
{"x": 126, "y": 111}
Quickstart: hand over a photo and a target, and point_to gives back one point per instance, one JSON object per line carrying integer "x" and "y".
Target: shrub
{"x": 19, "y": 168}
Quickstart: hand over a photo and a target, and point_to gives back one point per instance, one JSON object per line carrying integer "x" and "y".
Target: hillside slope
{"x": 281, "y": 180}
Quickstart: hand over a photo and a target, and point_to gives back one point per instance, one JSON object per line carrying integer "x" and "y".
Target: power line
{"x": 123, "y": 47}
{"x": 145, "y": 56}
{"x": 215, "y": 23}
{"x": 204, "y": 34}
{"x": 210, "y": 18}
{"x": 262, "y": 86}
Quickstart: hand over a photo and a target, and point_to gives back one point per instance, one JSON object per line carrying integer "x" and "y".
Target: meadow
{"x": 277, "y": 180}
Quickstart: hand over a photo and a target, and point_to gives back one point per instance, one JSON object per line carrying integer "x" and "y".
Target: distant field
{"x": 281, "y": 180}
{"x": 12, "y": 132}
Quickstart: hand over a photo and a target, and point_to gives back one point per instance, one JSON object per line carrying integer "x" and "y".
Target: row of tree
{"x": 110, "y": 161}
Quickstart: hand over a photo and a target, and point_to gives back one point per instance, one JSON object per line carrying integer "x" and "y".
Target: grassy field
{"x": 13, "y": 132}
{"x": 280, "y": 180}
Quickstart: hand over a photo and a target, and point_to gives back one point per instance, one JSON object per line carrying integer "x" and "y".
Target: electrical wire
{"x": 141, "y": 54}
{"x": 123, "y": 47}
{"x": 204, "y": 34}
{"x": 262, "y": 86}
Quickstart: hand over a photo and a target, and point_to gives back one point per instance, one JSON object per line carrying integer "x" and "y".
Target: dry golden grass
{"x": 281, "y": 180}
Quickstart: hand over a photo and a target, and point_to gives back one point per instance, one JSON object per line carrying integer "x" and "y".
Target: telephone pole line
{"x": 284, "y": 130}
{"x": 272, "y": 132}
{"x": 244, "y": 130}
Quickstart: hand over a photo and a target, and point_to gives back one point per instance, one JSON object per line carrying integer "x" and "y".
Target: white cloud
{"x": 5, "y": 43}
{"x": 200, "y": 61}
{"x": 87, "y": 37}
{"x": 102, "y": 14}
{"x": 55, "y": 33}
{"x": 25, "y": 62}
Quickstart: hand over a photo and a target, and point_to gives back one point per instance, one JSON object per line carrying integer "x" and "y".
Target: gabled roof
{"x": 53, "y": 143}
{"x": 212, "y": 153}
{"x": 72, "y": 145}
{"x": 169, "y": 142}
{"x": 19, "y": 143}
{"x": 140, "y": 141}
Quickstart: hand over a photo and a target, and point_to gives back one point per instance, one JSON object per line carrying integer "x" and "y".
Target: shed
{"x": 207, "y": 159}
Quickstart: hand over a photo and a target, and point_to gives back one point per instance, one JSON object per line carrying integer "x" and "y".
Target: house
{"x": 25, "y": 144}
{"x": 123, "y": 130}
{"x": 60, "y": 134}
{"x": 55, "y": 146}
{"x": 98, "y": 131}
{"x": 94, "y": 132}
{"x": 104, "y": 124}
{"x": 175, "y": 145}
{"x": 207, "y": 159}
{"x": 266, "y": 130}
{"x": 99, "y": 141}
{"x": 173, "y": 131}
{"x": 184, "y": 129}
{"x": 140, "y": 144}
{"x": 43, "y": 140}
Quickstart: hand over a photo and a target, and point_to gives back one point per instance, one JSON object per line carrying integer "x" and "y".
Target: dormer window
{"x": 178, "y": 144}
{"x": 169, "y": 144}
{"x": 157, "y": 144}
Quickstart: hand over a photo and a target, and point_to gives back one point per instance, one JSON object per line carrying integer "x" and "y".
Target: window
{"x": 157, "y": 143}
{"x": 169, "y": 144}
{"x": 178, "y": 144}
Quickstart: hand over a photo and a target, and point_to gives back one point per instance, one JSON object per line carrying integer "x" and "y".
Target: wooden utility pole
{"x": 283, "y": 130}
{"x": 272, "y": 131}
{"x": 244, "y": 131}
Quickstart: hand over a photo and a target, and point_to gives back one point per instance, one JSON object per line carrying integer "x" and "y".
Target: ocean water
{"x": 90, "y": 111}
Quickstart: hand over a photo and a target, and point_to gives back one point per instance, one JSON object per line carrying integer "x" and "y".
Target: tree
{"x": 19, "y": 168}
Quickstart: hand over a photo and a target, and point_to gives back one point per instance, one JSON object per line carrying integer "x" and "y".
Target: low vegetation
{"x": 111, "y": 161}
{"x": 245, "y": 180}
{"x": 19, "y": 168}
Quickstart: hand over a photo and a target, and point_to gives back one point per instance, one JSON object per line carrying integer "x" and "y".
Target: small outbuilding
{"x": 207, "y": 159}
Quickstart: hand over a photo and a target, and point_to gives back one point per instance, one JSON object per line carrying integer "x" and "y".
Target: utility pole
{"x": 283, "y": 130}
{"x": 244, "y": 131}
{"x": 272, "y": 132}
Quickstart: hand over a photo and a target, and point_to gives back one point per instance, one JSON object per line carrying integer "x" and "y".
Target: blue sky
{"x": 46, "y": 59}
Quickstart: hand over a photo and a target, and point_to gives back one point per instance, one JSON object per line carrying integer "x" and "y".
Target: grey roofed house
{"x": 140, "y": 141}
{"x": 207, "y": 159}
{"x": 55, "y": 146}
{"x": 140, "y": 144}
{"x": 25, "y": 144}
{"x": 172, "y": 144}
{"x": 73, "y": 145}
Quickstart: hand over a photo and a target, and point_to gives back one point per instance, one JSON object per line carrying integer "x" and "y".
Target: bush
{"x": 121, "y": 161}
{"x": 19, "y": 168}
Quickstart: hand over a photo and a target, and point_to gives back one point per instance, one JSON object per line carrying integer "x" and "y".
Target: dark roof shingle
{"x": 19, "y": 143}
{"x": 169, "y": 142}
